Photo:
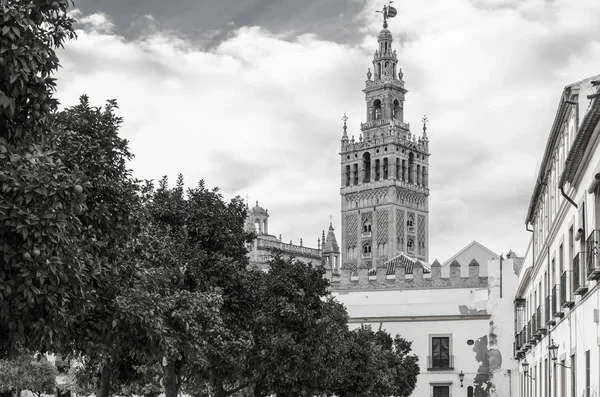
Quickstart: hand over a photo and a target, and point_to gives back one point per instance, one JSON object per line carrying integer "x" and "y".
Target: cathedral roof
{"x": 331, "y": 245}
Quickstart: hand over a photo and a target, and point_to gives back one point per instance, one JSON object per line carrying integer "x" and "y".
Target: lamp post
{"x": 525, "y": 366}
{"x": 461, "y": 376}
{"x": 553, "y": 348}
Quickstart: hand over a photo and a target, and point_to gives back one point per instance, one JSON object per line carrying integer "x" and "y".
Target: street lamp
{"x": 525, "y": 366}
{"x": 461, "y": 376}
{"x": 553, "y": 348}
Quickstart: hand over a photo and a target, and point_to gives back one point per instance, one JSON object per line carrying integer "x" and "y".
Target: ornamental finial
{"x": 388, "y": 12}
{"x": 344, "y": 119}
{"x": 425, "y": 120}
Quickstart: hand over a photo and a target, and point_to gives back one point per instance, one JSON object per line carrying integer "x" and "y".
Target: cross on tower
{"x": 425, "y": 120}
{"x": 344, "y": 119}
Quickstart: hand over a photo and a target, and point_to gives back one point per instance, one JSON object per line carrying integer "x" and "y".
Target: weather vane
{"x": 425, "y": 120}
{"x": 345, "y": 118}
{"x": 388, "y": 12}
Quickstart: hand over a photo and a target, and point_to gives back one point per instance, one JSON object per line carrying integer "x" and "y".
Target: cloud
{"x": 258, "y": 111}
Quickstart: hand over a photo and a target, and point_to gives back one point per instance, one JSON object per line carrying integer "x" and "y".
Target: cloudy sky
{"x": 249, "y": 95}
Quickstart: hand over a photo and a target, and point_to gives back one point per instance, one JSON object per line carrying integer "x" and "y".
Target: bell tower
{"x": 384, "y": 184}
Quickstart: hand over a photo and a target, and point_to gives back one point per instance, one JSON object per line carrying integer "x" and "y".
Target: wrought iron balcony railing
{"x": 540, "y": 321}
{"x": 566, "y": 289}
{"x": 579, "y": 280}
{"x": 440, "y": 363}
{"x": 592, "y": 245}
{"x": 556, "y": 295}
{"x": 548, "y": 315}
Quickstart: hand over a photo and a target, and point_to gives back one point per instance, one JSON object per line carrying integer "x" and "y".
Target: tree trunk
{"x": 220, "y": 390}
{"x": 170, "y": 380}
{"x": 105, "y": 377}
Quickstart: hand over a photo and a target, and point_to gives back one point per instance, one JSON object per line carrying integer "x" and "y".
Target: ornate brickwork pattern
{"x": 367, "y": 195}
{"x": 351, "y": 230}
{"x": 382, "y": 226}
{"x": 367, "y": 217}
{"x": 400, "y": 229}
{"x": 421, "y": 234}
{"x": 406, "y": 196}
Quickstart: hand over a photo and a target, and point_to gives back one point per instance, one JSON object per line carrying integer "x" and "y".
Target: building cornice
{"x": 403, "y": 319}
{"x": 581, "y": 143}
{"x": 544, "y": 172}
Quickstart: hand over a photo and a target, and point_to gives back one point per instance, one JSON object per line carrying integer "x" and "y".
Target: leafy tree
{"x": 41, "y": 283}
{"x": 177, "y": 303}
{"x": 376, "y": 365}
{"x": 296, "y": 332}
{"x": 88, "y": 140}
{"x": 24, "y": 373}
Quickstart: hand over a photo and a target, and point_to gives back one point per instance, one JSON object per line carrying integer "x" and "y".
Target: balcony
{"x": 440, "y": 363}
{"x": 548, "y": 315}
{"x": 579, "y": 281}
{"x": 556, "y": 296}
{"x": 531, "y": 328}
{"x": 540, "y": 321}
{"x": 566, "y": 290}
{"x": 366, "y": 234}
{"x": 593, "y": 255}
{"x": 366, "y": 255}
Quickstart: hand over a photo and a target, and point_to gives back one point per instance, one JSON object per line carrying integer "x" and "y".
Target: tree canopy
{"x": 148, "y": 288}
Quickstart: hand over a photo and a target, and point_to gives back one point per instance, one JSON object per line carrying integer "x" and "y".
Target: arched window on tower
{"x": 418, "y": 178}
{"x": 367, "y": 227}
{"x": 257, "y": 226}
{"x": 366, "y": 250}
{"x": 347, "y": 175}
{"x": 366, "y": 167}
{"x": 356, "y": 174}
{"x": 377, "y": 171}
{"x": 377, "y": 109}
{"x": 385, "y": 168}
{"x": 424, "y": 177}
{"x": 396, "y": 109}
{"x": 403, "y": 170}
{"x": 397, "y": 168}
{"x": 411, "y": 166}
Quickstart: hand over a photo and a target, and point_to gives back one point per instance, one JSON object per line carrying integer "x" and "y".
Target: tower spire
{"x": 425, "y": 120}
{"x": 345, "y": 135}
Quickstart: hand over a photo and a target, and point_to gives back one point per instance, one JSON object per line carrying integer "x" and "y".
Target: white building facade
{"x": 557, "y": 334}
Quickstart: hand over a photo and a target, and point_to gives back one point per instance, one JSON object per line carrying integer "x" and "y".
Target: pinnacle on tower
{"x": 345, "y": 135}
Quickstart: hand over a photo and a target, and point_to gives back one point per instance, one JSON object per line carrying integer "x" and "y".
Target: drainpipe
{"x": 532, "y": 245}
{"x": 550, "y": 365}
{"x": 562, "y": 190}
{"x": 501, "y": 259}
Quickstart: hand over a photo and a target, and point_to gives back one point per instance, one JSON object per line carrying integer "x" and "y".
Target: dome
{"x": 258, "y": 209}
{"x": 385, "y": 34}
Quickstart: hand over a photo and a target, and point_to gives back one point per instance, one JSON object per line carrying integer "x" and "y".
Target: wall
{"x": 476, "y": 314}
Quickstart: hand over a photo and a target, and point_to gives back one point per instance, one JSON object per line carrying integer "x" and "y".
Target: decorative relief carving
{"x": 400, "y": 229}
{"x": 382, "y": 226}
{"x": 367, "y": 217}
{"x": 351, "y": 230}
{"x": 421, "y": 234}
{"x": 367, "y": 195}
{"x": 406, "y": 196}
